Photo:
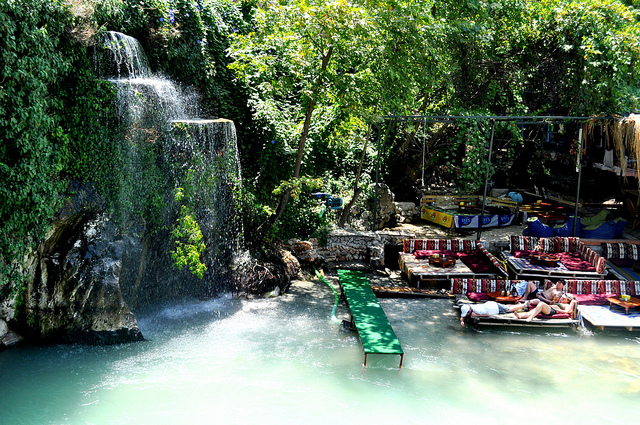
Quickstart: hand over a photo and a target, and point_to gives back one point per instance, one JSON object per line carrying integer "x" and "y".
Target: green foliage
{"x": 301, "y": 220}
{"x": 589, "y": 55}
{"x": 473, "y": 140}
{"x": 34, "y": 62}
{"x": 187, "y": 238}
{"x": 265, "y": 65}
{"x": 297, "y": 186}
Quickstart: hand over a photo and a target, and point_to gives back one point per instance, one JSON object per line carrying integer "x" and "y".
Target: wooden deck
{"x": 604, "y": 317}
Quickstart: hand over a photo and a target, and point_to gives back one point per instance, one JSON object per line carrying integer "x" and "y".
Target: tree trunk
{"x": 412, "y": 135}
{"x": 356, "y": 190}
{"x": 286, "y": 194}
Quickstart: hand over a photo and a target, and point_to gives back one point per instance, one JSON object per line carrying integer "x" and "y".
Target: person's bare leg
{"x": 540, "y": 308}
{"x": 516, "y": 307}
{"x": 529, "y": 289}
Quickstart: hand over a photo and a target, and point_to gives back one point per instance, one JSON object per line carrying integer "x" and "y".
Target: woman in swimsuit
{"x": 548, "y": 310}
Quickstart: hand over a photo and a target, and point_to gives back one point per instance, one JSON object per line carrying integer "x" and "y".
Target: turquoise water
{"x": 282, "y": 361}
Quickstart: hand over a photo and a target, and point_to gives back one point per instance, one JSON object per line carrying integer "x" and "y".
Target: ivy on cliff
{"x": 33, "y": 141}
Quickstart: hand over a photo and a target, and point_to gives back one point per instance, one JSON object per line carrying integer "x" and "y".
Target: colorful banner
{"x": 450, "y": 219}
{"x": 438, "y": 217}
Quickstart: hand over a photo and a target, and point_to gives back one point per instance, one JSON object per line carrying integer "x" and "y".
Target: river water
{"x": 282, "y": 361}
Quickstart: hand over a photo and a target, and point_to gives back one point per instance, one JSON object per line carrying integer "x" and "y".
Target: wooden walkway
{"x": 376, "y": 334}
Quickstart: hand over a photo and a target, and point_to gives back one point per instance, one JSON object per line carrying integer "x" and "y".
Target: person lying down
{"x": 535, "y": 307}
{"x": 490, "y": 308}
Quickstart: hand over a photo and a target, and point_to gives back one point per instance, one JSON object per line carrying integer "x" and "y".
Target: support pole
{"x": 424, "y": 148}
{"x": 579, "y": 170}
{"x": 375, "y": 195}
{"x": 486, "y": 178}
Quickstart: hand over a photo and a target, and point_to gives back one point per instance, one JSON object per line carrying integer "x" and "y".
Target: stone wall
{"x": 348, "y": 246}
{"x": 371, "y": 248}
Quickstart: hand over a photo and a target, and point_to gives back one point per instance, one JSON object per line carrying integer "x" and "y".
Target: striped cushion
{"x": 614, "y": 250}
{"x": 411, "y": 245}
{"x": 592, "y": 257}
{"x": 630, "y": 287}
{"x": 546, "y": 245}
{"x": 567, "y": 244}
{"x": 609, "y": 287}
{"x": 602, "y": 287}
{"x": 523, "y": 243}
{"x": 464, "y": 286}
{"x": 497, "y": 263}
{"x": 581, "y": 286}
{"x": 632, "y": 251}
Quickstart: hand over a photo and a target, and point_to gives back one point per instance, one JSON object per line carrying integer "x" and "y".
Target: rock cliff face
{"x": 73, "y": 290}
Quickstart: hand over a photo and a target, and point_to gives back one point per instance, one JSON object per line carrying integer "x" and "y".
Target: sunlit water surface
{"x": 268, "y": 361}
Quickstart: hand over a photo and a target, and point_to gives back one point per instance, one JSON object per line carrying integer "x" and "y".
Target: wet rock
{"x": 258, "y": 277}
{"x": 73, "y": 293}
{"x": 8, "y": 338}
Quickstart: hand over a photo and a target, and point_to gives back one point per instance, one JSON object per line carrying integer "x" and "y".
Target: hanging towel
{"x": 608, "y": 158}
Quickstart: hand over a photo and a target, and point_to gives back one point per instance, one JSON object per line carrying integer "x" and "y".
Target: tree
{"x": 334, "y": 62}
{"x": 301, "y": 55}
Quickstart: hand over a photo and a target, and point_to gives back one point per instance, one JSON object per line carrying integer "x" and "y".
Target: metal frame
{"x": 522, "y": 119}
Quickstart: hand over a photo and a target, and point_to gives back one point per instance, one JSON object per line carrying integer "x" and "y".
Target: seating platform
{"x": 601, "y": 317}
{"x": 375, "y": 331}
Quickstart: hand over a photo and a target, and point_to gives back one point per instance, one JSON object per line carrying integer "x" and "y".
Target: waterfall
{"x": 127, "y": 59}
{"x": 166, "y": 145}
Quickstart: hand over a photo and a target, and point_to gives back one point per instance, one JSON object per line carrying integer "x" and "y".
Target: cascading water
{"x": 127, "y": 61}
{"x": 161, "y": 133}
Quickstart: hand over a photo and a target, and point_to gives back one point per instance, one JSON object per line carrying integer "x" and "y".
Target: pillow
{"x": 477, "y": 296}
{"x": 567, "y": 244}
{"x": 632, "y": 252}
{"x": 592, "y": 299}
{"x": 546, "y": 245}
{"x": 614, "y": 250}
{"x": 421, "y": 253}
{"x": 520, "y": 243}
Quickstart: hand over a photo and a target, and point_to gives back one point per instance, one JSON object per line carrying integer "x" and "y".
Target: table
{"x": 442, "y": 261}
{"x": 547, "y": 260}
{"x": 633, "y": 302}
{"x": 551, "y": 218}
{"x": 467, "y": 207}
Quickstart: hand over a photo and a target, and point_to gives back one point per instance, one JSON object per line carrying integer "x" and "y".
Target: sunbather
{"x": 538, "y": 306}
{"x": 552, "y": 293}
{"x": 526, "y": 290}
{"x": 490, "y": 308}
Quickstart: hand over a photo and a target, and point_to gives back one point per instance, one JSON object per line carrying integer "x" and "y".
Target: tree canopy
{"x": 303, "y": 80}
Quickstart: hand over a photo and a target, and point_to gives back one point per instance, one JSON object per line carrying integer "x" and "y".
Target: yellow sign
{"x": 438, "y": 217}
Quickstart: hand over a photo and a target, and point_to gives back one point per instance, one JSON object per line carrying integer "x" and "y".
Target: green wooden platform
{"x": 376, "y": 334}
